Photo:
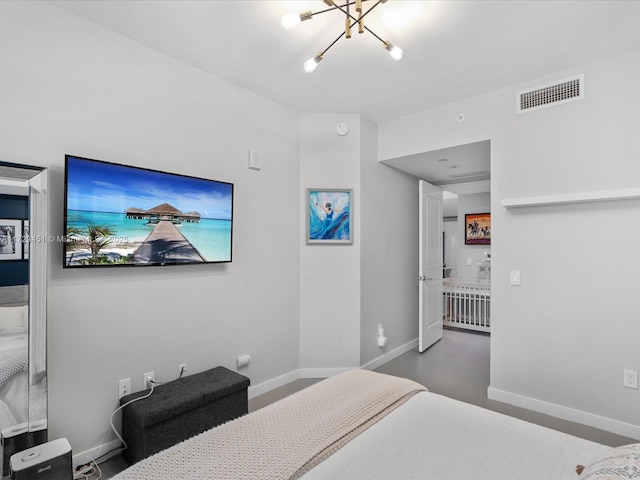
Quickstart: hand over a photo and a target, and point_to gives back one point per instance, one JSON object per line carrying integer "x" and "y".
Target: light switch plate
{"x": 515, "y": 277}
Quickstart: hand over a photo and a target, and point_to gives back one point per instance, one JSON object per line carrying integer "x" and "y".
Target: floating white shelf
{"x": 567, "y": 198}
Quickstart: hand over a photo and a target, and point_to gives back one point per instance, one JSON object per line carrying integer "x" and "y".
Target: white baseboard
{"x": 565, "y": 413}
{"x": 396, "y": 352}
{"x": 327, "y": 372}
{"x": 324, "y": 372}
{"x": 269, "y": 385}
{"x": 265, "y": 387}
{"x": 95, "y": 452}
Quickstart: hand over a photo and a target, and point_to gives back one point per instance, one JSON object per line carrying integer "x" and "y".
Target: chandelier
{"x": 292, "y": 19}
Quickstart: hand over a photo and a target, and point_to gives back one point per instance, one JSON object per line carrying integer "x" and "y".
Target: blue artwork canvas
{"x": 329, "y": 216}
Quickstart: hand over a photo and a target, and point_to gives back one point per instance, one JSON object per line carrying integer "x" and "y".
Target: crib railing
{"x": 466, "y": 304}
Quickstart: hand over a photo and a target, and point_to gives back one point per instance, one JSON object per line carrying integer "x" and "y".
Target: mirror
{"x": 23, "y": 308}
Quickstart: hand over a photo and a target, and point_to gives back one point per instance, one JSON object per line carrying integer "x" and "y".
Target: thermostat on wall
{"x": 342, "y": 129}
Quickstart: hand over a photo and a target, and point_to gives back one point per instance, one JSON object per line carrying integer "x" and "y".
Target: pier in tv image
{"x": 123, "y": 215}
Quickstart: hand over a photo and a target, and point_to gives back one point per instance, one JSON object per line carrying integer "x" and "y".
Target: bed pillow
{"x": 12, "y": 362}
{"x": 620, "y": 462}
{"x": 13, "y": 319}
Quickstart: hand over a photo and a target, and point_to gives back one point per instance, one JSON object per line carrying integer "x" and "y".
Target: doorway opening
{"x": 463, "y": 173}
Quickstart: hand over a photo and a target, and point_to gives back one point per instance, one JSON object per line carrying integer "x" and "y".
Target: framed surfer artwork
{"x": 329, "y": 218}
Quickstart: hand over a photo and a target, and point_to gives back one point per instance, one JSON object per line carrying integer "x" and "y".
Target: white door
{"x": 430, "y": 269}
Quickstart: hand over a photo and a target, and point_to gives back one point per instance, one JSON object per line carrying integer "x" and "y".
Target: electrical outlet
{"x": 630, "y": 378}
{"x": 182, "y": 369}
{"x": 243, "y": 360}
{"x": 147, "y": 379}
{"x": 124, "y": 387}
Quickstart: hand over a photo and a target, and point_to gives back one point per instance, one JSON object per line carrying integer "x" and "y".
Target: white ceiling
{"x": 452, "y": 49}
{"x": 449, "y": 166}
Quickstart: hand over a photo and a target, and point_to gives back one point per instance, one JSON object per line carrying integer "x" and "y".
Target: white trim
{"x": 324, "y": 372}
{"x": 264, "y": 387}
{"x": 578, "y": 197}
{"x": 565, "y": 413}
{"x": 327, "y": 372}
{"x": 95, "y": 452}
{"x": 294, "y": 375}
{"x": 269, "y": 385}
{"x": 387, "y": 357}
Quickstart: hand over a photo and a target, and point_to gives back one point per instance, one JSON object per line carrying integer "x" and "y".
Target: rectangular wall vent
{"x": 551, "y": 94}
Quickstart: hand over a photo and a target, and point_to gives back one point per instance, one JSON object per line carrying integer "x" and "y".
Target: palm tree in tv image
{"x": 94, "y": 238}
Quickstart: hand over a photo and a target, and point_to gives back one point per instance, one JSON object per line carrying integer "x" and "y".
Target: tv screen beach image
{"x": 121, "y": 215}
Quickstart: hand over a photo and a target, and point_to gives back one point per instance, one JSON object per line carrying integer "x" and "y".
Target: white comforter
{"x": 435, "y": 437}
{"x": 427, "y": 436}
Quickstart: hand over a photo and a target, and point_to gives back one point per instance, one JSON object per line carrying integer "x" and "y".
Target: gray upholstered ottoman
{"x": 181, "y": 409}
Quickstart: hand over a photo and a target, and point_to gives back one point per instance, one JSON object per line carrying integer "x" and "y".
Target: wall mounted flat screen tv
{"x": 117, "y": 215}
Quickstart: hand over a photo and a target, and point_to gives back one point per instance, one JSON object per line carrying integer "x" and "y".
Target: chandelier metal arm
{"x": 339, "y": 7}
{"x": 373, "y": 33}
{"x": 358, "y": 20}
{"x": 290, "y": 20}
{"x": 332, "y": 44}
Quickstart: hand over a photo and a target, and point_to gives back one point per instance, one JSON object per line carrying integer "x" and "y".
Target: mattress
{"x": 402, "y": 432}
{"x": 435, "y": 437}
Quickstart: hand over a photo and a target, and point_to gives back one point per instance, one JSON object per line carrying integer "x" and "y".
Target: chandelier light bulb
{"x": 311, "y": 64}
{"x": 394, "y": 51}
{"x": 290, "y": 20}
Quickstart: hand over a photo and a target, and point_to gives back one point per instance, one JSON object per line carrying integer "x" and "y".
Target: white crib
{"x": 466, "y": 304}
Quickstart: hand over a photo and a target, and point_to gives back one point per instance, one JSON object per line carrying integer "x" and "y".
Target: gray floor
{"x": 458, "y": 367}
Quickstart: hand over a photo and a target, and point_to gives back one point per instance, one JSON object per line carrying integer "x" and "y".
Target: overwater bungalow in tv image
{"x": 163, "y": 212}
{"x": 98, "y": 244}
{"x": 165, "y": 243}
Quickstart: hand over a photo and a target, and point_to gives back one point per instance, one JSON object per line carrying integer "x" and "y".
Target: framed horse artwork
{"x": 477, "y": 229}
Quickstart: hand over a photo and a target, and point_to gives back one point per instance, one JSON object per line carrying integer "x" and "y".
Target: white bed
{"x": 365, "y": 425}
{"x": 14, "y": 364}
{"x": 432, "y": 436}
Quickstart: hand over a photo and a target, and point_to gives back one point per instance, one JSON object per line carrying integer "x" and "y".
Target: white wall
{"x": 452, "y": 246}
{"x": 561, "y": 340}
{"x": 71, "y": 87}
{"x": 329, "y": 274}
{"x": 346, "y": 290}
{"x": 389, "y": 267}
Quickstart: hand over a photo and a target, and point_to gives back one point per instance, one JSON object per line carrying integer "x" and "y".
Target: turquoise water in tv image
{"x": 212, "y": 238}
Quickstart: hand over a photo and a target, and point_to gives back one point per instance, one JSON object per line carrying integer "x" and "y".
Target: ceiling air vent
{"x": 551, "y": 94}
